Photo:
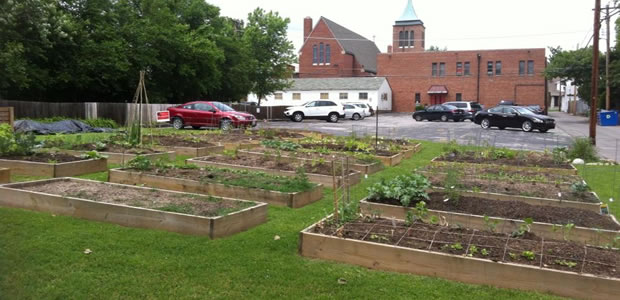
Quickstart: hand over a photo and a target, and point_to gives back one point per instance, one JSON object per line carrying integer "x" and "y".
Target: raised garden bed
{"x": 307, "y": 157}
{"x": 188, "y": 146}
{"x": 527, "y": 263}
{"x": 52, "y": 165}
{"x": 592, "y": 236}
{"x": 527, "y": 161}
{"x": 317, "y": 173}
{"x": 5, "y": 175}
{"x": 220, "y": 182}
{"x": 136, "y": 206}
{"x": 123, "y": 158}
{"x": 532, "y": 192}
{"x": 501, "y": 172}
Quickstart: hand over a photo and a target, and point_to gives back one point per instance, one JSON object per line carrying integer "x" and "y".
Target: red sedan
{"x": 209, "y": 114}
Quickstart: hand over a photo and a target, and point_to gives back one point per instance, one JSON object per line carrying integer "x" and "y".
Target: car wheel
{"x": 333, "y": 117}
{"x": 526, "y": 126}
{"x": 486, "y": 124}
{"x": 356, "y": 117}
{"x": 196, "y": 127}
{"x": 543, "y": 130}
{"x": 418, "y": 118}
{"x": 226, "y": 124}
{"x": 444, "y": 118}
{"x": 177, "y": 123}
{"x": 298, "y": 117}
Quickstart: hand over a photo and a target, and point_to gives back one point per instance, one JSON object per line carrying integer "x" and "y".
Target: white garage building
{"x": 371, "y": 90}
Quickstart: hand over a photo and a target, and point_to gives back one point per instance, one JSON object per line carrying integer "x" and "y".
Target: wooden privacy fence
{"x": 118, "y": 112}
{"x": 7, "y": 115}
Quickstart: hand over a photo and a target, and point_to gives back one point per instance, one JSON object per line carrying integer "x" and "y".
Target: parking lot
{"x": 401, "y": 125}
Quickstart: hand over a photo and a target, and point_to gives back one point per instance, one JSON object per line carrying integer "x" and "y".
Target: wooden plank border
{"x": 67, "y": 169}
{"x": 293, "y": 200}
{"x": 215, "y": 227}
{"x": 325, "y": 180}
{"x": 5, "y": 175}
{"x": 192, "y": 151}
{"x": 581, "y": 234}
{"x": 453, "y": 267}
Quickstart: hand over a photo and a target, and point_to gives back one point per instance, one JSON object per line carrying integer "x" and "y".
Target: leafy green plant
{"x": 529, "y": 255}
{"x": 456, "y": 246}
{"x": 452, "y": 185}
{"x": 512, "y": 255}
{"x": 560, "y": 155}
{"x": 281, "y": 145}
{"x": 91, "y": 155}
{"x": 582, "y": 148}
{"x": 566, "y": 263}
{"x": 579, "y": 188}
{"x": 101, "y": 146}
{"x": 404, "y": 188}
{"x": 485, "y": 252}
{"x": 420, "y": 210}
{"x": 473, "y": 250}
{"x": 141, "y": 163}
{"x": 14, "y": 143}
{"x": 523, "y": 228}
{"x": 490, "y": 224}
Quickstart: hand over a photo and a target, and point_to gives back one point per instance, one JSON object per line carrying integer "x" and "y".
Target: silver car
{"x": 364, "y": 106}
{"x": 353, "y": 112}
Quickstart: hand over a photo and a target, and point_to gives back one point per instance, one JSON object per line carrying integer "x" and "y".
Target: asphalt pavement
{"x": 402, "y": 125}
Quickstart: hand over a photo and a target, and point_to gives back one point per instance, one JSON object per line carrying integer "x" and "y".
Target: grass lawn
{"x": 41, "y": 257}
{"x": 601, "y": 179}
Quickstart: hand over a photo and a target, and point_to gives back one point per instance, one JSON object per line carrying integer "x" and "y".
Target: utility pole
{"x": 595, "y": 55}
{"x": 607, "y": 89}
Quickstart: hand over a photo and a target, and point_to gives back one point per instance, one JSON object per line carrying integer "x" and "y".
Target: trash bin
{"x": 608, "y": 118}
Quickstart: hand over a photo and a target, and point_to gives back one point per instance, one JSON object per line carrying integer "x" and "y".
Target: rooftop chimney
{"x": 307, "y": 27}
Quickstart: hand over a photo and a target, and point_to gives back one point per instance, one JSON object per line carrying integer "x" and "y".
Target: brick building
{"x": 426, "y": 77}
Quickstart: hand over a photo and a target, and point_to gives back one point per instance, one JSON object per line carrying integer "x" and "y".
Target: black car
{"x": 441, "y": 112}
{"x": 535, "y": 109}
{"x": 513, "y": 117}
{"x": 507, "y": 102}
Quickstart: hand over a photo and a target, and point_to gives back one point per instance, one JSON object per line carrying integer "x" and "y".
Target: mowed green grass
{"x": 41, "y": 257}
{"x": 605, "y": 181}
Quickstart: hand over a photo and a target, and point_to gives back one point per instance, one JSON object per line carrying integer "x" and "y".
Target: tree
{"x": 574, "y": 65}
{"x": 437, "y": 49}
{"x": 270, "y": 50}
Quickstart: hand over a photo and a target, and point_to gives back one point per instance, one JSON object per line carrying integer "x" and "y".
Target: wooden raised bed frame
{"x": 362, "y": 168}
{"x": 293, "y": 200}
{"x": 5, "y": 175}
{"x": 123, "y": 158}
{"x": 66, "y": 169}
{"x": 453, "y": 267}
{"x": 191, "y": 151}
{"x": 325, "y": 180}
{"x": 581, "y": 234}
{"x": 215, "y": 227}
{"x": 571, "y": 171}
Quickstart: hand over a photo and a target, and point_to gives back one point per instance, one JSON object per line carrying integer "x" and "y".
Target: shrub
{"x": 582, "y": 148}
{"x": 281, "y": 145}
{"x": 404, "y": 188}
{"x": 140, "y": 163}
{"x": 12, "y": 143}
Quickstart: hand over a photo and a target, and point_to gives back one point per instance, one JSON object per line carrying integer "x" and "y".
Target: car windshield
{"x": 222, "y": 106}
{"x": 450, "y": 107}
{"x": 523, "y": 111}
{"x": 476, "y": 106}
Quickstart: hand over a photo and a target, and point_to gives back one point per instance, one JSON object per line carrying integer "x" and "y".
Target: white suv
{"x": 364, "y": 106}
{"x": 321, "y": 109}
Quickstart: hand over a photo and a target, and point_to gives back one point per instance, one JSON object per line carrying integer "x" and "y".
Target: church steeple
{"x": 409, "y": 31}
{"x": 409, "y": 17}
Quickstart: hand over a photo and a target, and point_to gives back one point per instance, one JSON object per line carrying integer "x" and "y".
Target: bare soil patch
{"x": 527, "y": 249}
{"x": 515, "y": 210}
{"x": 501, "y": 172}
{"x": 146, "y": 198}
{"x": 46, "y": 157}
{"x": 180, "y": 141}
{"x": 527, "y": 159}
{"x": 114, "y": 148}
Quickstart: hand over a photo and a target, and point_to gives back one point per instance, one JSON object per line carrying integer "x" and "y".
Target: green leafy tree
{"x": 271, "y": 52}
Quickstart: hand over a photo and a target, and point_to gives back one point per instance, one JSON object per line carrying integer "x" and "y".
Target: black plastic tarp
{"x": 66, "y": 126}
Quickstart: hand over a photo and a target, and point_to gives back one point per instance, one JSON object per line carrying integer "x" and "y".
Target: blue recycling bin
{"x": 608, "y": 118}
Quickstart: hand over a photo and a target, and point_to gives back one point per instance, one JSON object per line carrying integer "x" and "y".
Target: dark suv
{"x": 467, "y": 106}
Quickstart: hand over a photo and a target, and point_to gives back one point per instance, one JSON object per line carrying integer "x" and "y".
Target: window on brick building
{"x": 401, "y": 39}
{"x": 521, "y": 67}
{"x": 530, "y": 67}
{"x": 434, "y": 69}
{"x": 296, "y": 96}
{"x": 489, "y": 68}
{"x": 363, "y": 96}
{"x": 411, "y": 39}
{"x": 406, "y": 42}
{"x": 384, "y": 97}
{"x": 459, "y": 97}
{"x": 498, "y": 68}
{"x": 418, "y": 98}
{"x": 344, "y": 96}
{"x": 321, "y": 53}
{"x": 315, "y": 54}
{"x": 423, "y": 39}
{"x": 328, "y": 54}
{"x": 324, "y": 96}
{"x": 467, "y": 71}
{"x": 442, "y": 69}
{"x": 278, "y": 96}
{"x": 459, "y": 68}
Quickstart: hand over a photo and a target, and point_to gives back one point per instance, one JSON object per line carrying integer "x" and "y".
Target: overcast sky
{"x": 455, "y": 24}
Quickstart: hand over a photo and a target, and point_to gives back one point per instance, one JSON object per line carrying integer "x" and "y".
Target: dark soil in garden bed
{"x": 272, "y": 162}
{"x": 520, "y": 188}
{"x": 240, "y": 178}
{"x": 146, "y": 198}
{"x": 314, "y": 155}
{"x": 339, "y": 147}
{"x": 114, "y": 148}
{"x": 45, "y": 157}
{"x": 515, "y": 210}
{"x": 501, "y": 172}
{"x": 180, "y": 141}
{"x": 527, "y": 249}
{"x": 529, "y": 159}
